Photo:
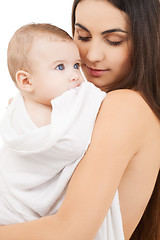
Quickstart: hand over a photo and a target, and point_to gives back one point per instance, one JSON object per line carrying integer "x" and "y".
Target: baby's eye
{"x": 76, "y": 65}
{"x": 60, "y": 67}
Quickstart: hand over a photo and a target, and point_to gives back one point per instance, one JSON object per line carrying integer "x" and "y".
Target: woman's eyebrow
{"x": 113, "y": 30}
{"x": 104, "y": 32}
{"x": 79, "y": 25}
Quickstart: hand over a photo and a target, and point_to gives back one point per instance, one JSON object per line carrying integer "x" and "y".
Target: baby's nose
{"x": 75, "y": 78}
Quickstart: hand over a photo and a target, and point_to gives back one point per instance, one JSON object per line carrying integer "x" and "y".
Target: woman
{"x": 119, "y": 46}
{"x": 142, "y": 71}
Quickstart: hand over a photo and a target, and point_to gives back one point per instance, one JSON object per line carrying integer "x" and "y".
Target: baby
{"x": 47, "y": 127}
{"x": 44, "y": 62}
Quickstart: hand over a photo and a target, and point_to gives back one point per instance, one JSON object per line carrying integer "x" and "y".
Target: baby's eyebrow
{"x": 59, "y": 61}
{"x": 81, "y": 26}
{"x": 113, "y": 30}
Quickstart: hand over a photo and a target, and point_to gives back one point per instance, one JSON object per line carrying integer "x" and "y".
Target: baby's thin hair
{"x": 21, "y": 43}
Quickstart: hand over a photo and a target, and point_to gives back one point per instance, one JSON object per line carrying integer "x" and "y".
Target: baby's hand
{"x": 10, "y": 100}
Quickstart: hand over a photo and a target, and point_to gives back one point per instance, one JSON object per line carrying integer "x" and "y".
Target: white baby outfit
{"x": 36, "y": 164}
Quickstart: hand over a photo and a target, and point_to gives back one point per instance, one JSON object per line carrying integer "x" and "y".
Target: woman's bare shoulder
{"x": 126, "y": 114}
{"x": 129, "y": 104}
{"x": 126, "y": 98}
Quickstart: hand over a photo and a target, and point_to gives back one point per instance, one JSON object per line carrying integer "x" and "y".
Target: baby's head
{"x": 20, "y": 45}
{"x": 43, "y": 61}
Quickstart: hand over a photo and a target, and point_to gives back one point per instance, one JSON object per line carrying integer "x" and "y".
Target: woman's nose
{"x": 95, "y": 52}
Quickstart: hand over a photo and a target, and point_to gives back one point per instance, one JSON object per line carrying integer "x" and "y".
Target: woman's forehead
{"x": 100, "y": 15}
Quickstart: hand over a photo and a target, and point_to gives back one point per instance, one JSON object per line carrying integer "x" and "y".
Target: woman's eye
{"x": 85, "y": 39}
{"x": 60, "y": 67}
{"x": 76, "y": 66}
{"x": 114, "y": 43}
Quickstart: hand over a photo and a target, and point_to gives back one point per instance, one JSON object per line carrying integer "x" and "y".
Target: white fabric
{"x": 37, "y": 163}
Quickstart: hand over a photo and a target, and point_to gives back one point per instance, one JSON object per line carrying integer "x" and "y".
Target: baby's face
{"x": 56, "y": 65}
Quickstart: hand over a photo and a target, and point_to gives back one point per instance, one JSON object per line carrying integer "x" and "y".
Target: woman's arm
{"x": 116, "y": 139}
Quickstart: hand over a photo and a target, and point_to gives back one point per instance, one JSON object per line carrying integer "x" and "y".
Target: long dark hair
{"x": 144, "y": 18}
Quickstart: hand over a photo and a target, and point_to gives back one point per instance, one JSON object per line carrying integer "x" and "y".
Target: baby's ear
{"x": 24, "y": 81}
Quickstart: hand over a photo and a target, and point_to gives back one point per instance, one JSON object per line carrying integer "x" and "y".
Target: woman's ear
{"x": 24, "y": 81}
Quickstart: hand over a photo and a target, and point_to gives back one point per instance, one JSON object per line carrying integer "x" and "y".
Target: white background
{"x": 14, "y": 14}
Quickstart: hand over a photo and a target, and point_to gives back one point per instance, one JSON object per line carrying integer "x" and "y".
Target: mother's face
{"x": 101, "y": 34}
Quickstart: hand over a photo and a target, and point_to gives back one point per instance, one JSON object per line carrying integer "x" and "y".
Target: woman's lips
{"x": 96, "y": 72}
